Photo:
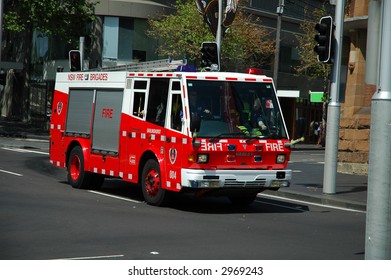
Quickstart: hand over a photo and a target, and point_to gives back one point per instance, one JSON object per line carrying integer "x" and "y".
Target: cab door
{"x": 133, "y": 126}
{"x": 175, "y": 136}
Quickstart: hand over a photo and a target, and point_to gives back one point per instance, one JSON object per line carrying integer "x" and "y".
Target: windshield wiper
{"x": 215, "y": 138}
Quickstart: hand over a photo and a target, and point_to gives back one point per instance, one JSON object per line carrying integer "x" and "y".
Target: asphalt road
{"x": 42, "y": 217}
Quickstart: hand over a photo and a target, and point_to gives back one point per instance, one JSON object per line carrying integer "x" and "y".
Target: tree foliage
{"x": 309, "y": 64}
{"x": 181, "y": 34}
{"x": 61, "y": 19}
{"x": 65, "y": 18}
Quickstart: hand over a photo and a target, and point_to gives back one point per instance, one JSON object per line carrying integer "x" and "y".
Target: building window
{"x": 124, "y": 40}
{"x": 110, "y": 38}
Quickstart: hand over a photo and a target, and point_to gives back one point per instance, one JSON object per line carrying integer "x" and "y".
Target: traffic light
{"x": 210, "y": 56}
{"x": 324, "y": 39}
{"x": 74, "y": 60}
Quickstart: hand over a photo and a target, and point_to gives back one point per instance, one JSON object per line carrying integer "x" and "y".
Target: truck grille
{"x": 235, "y": 183}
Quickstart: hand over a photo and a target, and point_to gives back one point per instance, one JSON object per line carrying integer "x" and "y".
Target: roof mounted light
{"x": 186, "y": 68}
{"x": 254, "y": 71}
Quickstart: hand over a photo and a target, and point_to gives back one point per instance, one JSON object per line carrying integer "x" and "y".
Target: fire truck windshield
{"x": 231, "y": 109}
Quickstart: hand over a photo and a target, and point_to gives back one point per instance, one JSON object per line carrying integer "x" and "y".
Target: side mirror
{"x": 195, "y": 122}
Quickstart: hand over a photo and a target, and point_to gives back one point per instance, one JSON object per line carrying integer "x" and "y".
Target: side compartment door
{"x": 80, "y": 105}
{"x": 107, "y": 117}
{"x": 175, "y": 137}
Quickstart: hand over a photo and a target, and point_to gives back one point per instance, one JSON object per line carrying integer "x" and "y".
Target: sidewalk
{"x": 346, "y": 195}
{"x": 351, "y": 190}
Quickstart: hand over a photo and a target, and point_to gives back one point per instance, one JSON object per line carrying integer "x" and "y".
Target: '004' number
{"x": 172, "y": 174}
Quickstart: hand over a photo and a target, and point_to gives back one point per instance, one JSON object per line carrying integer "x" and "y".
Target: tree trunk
{"x": 25, "y": 94}
{"x": 7, "y": 95}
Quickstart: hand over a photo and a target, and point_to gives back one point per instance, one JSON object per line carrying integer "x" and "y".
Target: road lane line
{"x": 115, "y": 196}
{"x": 19, "y": 150}
{"x": 309, "y": 203}
{"x": 32, "y": 140}
{"x": 12, "y": 173}
{"x": 94, "y": 257}
{"x": 282, "y": 206}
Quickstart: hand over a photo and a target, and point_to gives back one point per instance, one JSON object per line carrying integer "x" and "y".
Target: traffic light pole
{"x": 333, "y": 112}
{"x": 219, "y": 28}
{"x": 81, "y": 49}
{"x": 378, "y": 223}
{"x": 280, "y": 11}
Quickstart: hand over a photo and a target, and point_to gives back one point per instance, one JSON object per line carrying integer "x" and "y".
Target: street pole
{"x": 378, "y": 223}
{"x": 333, "y": 112}
{"x": 280, "y": 11}
{"x": 1, "y": 26}
{"x": 81, "y": 49}
{"x": 218, "y": 32}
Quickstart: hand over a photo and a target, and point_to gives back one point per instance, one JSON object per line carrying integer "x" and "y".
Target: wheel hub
{"x": 75, "y": 168}
{"x": 152, "y": 183}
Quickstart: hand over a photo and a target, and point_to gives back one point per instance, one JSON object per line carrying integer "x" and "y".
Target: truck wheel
{"x": 77, "y": 177}
{"x": 242, "y": 200}
{"x": 153, "y": 192}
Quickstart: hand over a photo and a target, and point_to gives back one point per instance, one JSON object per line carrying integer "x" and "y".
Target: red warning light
{"x": 254, "y": 71}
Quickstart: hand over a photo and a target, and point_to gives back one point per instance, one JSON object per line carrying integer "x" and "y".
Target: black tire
{"x": 153, "y": 192}
{"x": 77, "y": 177}
{"x": 242, "y": 200}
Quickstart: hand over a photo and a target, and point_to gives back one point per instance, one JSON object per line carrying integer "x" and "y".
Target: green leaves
{"x": 53, "y": 17}
{"x": 309, "y": 65}
{"x": 182, "y": 33}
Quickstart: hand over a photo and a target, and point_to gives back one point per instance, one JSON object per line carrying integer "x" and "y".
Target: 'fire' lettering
{"x": 274, "y": 147}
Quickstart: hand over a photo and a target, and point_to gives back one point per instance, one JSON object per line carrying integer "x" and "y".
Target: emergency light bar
{"x": 254, "y": 71}
{"x": 186, "y": 68}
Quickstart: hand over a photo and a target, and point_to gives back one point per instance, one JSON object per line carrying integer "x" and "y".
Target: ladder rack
{"x": 148, "y": 66}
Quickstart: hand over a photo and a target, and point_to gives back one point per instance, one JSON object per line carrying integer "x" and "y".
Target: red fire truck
{"x": 210, "y": 133}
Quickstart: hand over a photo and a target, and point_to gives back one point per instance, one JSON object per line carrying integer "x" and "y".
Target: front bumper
{"x": 262, "y": 179}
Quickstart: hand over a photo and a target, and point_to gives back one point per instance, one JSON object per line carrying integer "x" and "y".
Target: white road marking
{"x": 33, "y": 140}
{"x": 279, "y": 205}
{"x": 94, "y": 257}
{"x": 115, "y": 196}
{"x": 309, "y": 203}
{"x": 12, "y": 173}
{"x": 19, "y": 150}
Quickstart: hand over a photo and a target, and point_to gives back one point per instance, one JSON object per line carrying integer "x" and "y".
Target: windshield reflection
{"x": 235, "y": 109}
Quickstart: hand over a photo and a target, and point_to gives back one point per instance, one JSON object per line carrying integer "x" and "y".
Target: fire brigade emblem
{"x": 59, "y": 107}
{"x": 173, "y": 154}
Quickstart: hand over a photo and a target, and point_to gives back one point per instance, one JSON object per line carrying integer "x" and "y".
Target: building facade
{"x": 355, "y": 118}
{"x": 120, "y": 38}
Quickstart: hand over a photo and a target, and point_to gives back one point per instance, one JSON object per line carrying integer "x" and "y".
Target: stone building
{"x": 353, "y": 148}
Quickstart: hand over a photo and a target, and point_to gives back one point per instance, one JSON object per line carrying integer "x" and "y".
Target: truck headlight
{"x": 280, "y": 158}
{"x": 202, "y": 158}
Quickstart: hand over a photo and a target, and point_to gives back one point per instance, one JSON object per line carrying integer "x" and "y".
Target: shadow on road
{"x": 180, "y": 201}
{"x": 203, "y": 205}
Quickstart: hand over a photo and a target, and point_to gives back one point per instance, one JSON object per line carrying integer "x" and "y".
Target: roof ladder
{"x": 148, "y": 66}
